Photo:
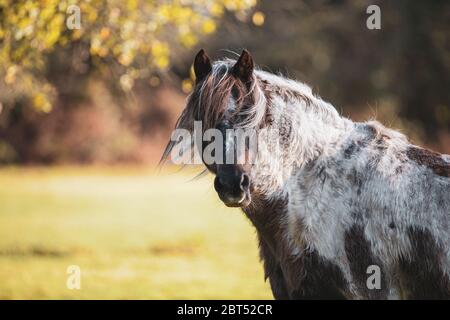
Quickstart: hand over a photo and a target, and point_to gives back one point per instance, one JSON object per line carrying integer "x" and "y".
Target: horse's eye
{"x": 222, "y": 126}
{"x": 235, "y": 92}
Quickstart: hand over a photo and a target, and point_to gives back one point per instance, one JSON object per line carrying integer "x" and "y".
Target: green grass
{"x": 134, "y": 234}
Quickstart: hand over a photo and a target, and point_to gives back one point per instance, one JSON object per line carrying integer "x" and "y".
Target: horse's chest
{"x": 313, "y": 223}
{"x": 317, "y": 223}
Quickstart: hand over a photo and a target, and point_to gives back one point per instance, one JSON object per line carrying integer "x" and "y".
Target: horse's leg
{"x": 422, "y": 275}
{"x": 315, "y": 278}
{"x": 278, "y": 285}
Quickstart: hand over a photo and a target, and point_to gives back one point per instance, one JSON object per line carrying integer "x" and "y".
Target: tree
{"x": 137, "y": 37}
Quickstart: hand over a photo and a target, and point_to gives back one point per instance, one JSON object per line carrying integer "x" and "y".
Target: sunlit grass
{"x": 134, "y": 234}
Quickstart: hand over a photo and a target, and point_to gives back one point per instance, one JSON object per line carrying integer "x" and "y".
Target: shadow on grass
{"x": 35, "y": 251}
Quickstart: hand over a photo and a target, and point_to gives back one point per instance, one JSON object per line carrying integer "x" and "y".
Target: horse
{"x": 342, "y": 209}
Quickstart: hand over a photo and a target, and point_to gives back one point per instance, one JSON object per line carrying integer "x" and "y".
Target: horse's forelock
{"x": 209, "y": 102}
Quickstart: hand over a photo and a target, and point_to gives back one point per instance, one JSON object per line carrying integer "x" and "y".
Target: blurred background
{"x": 87, "y": 106}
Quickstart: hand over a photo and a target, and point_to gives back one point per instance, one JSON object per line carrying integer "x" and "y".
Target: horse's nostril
{"x": 245, "y": 182}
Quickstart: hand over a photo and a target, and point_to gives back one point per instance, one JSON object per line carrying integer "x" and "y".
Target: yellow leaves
{"x": 162, "y": 62}
{"x": 46, "y": 13}
{"x": 140, "y": 35}
{"x": 125, "y": 59}
{"x": 160, "y": 49}
{"x": 42, "y": 94}
{"x": 54, "y": 30}
{"x": 41, "y": 103}
{"x": 92, "y": 16}
{"x": 96, "y": 45}
{"x": 103, "y": 52}
{"x": 10, "y": 76}
{"x": 128, "y": 52}
{"x": 105, "y": 33}
{"x": 258, "y": 18}
{"x": 163, "y": 13}
{"x": 208, "y": 26}
{"x": 127, "y": 30}
{"x": 174, "y": 13}
{"x": 216, "y": 9}
{"x": 160, "y": 52}
{"x": 236, "y": 5}
{"x": 76, "y": 34}
{"x": 186, "y": 85}
{"x": 188, "y": 39}
{"x": 114, "y": 14}
{"x": 132, "y": 5}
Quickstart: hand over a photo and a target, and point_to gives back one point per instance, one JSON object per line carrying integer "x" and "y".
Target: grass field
{"x": 134, "y": 233}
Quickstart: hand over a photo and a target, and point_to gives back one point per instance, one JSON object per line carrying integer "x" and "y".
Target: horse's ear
{"x": 243, "y": 69}
{"x": 202, "y": 65}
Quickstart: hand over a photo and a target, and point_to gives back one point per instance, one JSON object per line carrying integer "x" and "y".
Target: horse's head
{"x": 230, "y": 105}
{"x": 225, "y": 99}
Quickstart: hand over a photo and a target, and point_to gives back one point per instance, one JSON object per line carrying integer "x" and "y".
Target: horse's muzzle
{"x": 233, "y": 190}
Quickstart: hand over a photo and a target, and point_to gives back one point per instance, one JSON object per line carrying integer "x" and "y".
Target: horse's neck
{"x": 317, "y": 130}
{"x": 267, "y": 216}
{"x": 315, "y": 125}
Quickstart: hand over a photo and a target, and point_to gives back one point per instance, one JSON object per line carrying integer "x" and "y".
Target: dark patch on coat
{"x": 357, "y": 216}
{"x": 360, "y": 257}
{"x": 315, "y": 278}
{"x": 350, "y": 150}
{"x": 421, "y": 273}
{"x": 285, "y": 131}
{"x": 354, "y": 147}
{"x": 430, "y": 159}
{"x": 371, "y": 131}
{"x": 398, "y": 170}
{"x": 305, "y": 276}
{"x": 356, "y": 180}
{"x": 286, "y": 94}
{"x": 381, "y": 142}
{"x": 273, "y": 272}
